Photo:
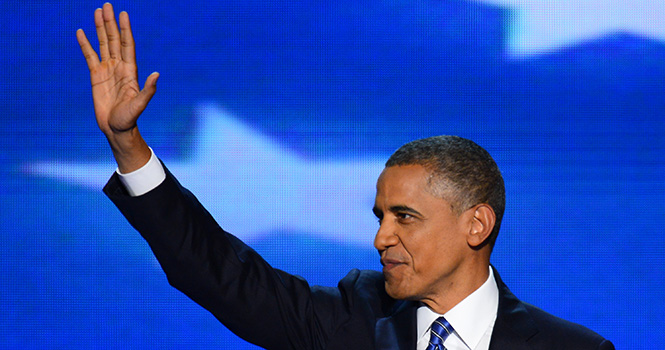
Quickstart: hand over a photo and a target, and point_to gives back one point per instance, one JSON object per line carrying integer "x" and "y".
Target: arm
{"x": 260, "y": 304}
{"x": 116, "y": 95}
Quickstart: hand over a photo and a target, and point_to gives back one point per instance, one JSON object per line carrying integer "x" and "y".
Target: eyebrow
{"x": 404, "y": 209}
{"x": 395, "y": 209}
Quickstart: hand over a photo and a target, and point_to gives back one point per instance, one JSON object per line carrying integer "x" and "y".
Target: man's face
{"x": 422, "y": 242}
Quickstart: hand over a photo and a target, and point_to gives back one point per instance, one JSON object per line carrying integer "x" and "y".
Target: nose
{"x": 386, "y": 236}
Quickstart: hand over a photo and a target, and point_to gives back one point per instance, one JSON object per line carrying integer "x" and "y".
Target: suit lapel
{"x": 398, "y": 331}
{"x": 514, "y": 325}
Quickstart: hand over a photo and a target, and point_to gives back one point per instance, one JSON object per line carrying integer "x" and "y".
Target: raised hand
{"x": 118, "y": 100}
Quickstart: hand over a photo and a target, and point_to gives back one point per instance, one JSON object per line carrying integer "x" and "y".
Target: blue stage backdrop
{"x": 279, "y": 115}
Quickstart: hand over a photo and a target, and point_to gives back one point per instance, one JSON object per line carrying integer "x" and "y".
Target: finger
{"x": 127, "y": 39}
{"x": 141, "y": 101}
{"x": 88, "y": 52}
{"x": 112, "y": 32}
{"x": 101, "y": 35}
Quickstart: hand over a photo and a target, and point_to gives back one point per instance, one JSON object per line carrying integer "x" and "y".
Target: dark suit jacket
{"x": 276, "y": 310}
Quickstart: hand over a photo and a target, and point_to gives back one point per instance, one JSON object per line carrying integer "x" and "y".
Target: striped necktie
{"x": 440, "y": 330}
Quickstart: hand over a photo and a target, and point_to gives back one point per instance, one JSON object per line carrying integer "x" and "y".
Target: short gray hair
{"x": 463, "y": 173}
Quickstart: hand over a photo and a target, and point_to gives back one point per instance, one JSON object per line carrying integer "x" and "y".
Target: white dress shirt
{"x": 144, "y": 179}
{"x": 472, "y": 319}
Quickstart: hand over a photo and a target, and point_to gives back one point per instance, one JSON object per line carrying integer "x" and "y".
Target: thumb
{"x": 149, "y": 89}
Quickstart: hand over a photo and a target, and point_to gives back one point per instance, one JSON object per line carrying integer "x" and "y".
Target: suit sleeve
{"x": 260, "y": 304}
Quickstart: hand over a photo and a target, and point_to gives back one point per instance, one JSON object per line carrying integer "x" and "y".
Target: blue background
{"x": 577, "y": 130}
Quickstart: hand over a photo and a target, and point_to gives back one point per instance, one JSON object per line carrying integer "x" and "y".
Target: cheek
{"x": 419, "y": 244}
{"x": 430, "y": 255}
{"x": 424, "y": 260}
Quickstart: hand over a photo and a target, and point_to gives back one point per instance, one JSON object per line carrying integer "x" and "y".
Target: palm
{"x": 114, "y": 87}
{"x": 118, "y": 100}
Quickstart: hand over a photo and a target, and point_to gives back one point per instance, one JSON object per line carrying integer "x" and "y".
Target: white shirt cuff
{"x": 144, "y": 179}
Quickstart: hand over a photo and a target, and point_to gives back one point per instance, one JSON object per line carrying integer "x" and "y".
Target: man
{"x": 439, "y": 202}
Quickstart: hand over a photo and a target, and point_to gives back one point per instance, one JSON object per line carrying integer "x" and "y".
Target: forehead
{"x": 404, "y": 182}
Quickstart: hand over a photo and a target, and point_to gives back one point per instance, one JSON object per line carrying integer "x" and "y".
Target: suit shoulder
{"x": 367, "y": 288}
{"x": 553, "y": 327}
{"x": 518, "y": 321}
{"x": 366, "y": 283}
{"x": 363, "y": 281}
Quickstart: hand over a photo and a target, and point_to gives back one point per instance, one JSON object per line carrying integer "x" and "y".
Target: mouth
{"x": 390, "y": 264}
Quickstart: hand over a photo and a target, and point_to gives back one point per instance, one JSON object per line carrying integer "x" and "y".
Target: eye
{"x": 404, "y": 216}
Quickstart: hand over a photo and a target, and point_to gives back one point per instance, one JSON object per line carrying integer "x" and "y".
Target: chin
{"x": 398, "y": 291}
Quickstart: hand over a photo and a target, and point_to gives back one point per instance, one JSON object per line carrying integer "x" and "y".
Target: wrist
{"x": 130, "y": 151}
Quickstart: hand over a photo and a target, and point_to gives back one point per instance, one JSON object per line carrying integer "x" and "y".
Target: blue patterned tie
{"x": 441, "y": 329}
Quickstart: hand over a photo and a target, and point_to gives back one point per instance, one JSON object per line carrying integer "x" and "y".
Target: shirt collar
{"x": 471, "y": 317}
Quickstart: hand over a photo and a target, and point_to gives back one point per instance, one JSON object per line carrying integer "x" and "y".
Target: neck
{"x": 466, "y": 281}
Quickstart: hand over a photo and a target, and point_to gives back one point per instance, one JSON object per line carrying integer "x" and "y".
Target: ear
{"x": 482, "y": 225}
